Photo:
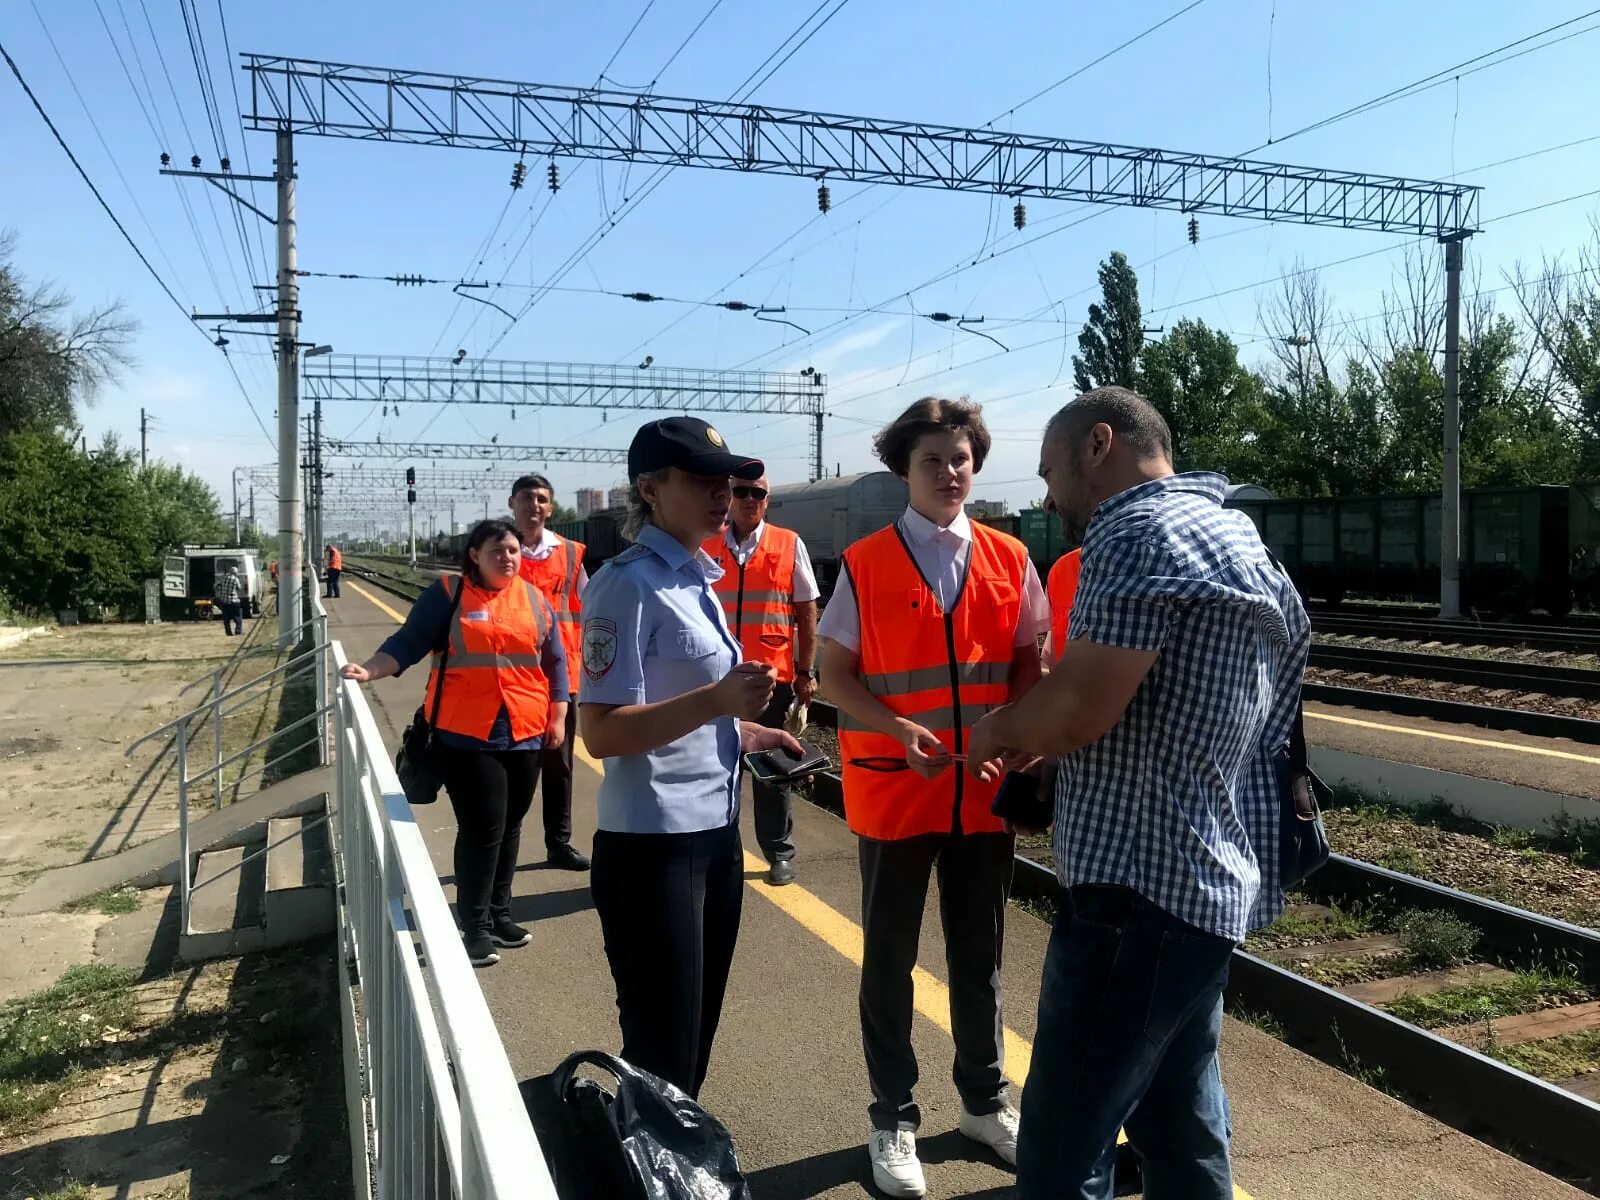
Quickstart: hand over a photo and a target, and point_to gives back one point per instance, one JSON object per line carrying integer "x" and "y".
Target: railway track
{"x": 1542, "y": 678}
{"x": 1569, "y": 639}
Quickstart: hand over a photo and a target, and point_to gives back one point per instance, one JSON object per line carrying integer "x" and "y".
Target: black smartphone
{"x": 780, "y": 764}
{"x": 1019, "y": 802}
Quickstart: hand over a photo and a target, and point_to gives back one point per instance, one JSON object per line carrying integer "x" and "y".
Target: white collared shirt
{"x": 805, "y": 580}
{"x": 544, "y": 548}
{"x": 941, "y": 556}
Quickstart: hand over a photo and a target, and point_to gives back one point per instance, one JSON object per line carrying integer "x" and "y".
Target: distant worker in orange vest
{"x": 504, "y": 700}
{"x": 1062, "y": 588}
{"x": 934, "y": 621}
{"x": 554, "y": 565}
{"x": 769, "y": 597}
{"x": 335, "y": 568}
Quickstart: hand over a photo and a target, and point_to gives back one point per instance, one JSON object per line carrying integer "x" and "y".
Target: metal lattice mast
{"x": 455, "y": 451}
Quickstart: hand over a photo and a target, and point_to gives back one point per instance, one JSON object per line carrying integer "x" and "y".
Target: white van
{"x": 189, "y": 579}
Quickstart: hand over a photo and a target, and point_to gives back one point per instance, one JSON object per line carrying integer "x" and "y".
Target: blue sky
{"x": 1199, "y": 84}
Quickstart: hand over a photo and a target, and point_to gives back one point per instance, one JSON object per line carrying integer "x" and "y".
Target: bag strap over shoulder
{"x": 444, "y": 662}
{"x": 1297, "y": 732}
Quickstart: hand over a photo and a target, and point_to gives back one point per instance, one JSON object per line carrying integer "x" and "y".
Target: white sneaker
{"x": 997, "y": 1130}
{"x": 896, "y": 1170}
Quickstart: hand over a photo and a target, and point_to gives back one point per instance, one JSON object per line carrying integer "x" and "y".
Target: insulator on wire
{"x": 824, "y": 198}
{"x": 1019, "y": 215}
{"x": 227, "y": 165}
{"x": 166, "y": 159}
{"x": 519, "y": 172}
{"x": 1194, "y": 230}
{"x": 194, "y": 161}
{"x": 555, "y": 178}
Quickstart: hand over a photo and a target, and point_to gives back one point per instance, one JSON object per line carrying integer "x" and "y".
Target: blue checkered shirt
{"x": 1180, "y": 800}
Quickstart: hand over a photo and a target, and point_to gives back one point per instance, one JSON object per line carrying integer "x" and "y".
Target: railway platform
{"x": 787, "y": 1074}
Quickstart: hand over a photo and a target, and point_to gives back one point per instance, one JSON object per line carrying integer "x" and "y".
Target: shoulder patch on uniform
{"x": 634, "y": 552}
{"x": 599, "y": 647}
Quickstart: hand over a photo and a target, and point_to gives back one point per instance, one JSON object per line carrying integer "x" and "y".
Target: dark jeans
{"x": 669, "y": 906}
{"x": 555, "y": 781}
{"x": 490, "y": 791}
{"x": 774, "y": 807}
{"x": 974, "y": 882}
{"x": 333, "y": 582}
{"x": 232, "y": 619}
{"x": 1130, "y": 1014}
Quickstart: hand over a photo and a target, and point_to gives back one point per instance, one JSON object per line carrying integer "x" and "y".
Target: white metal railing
{"x": 440, "y": 1098}
{"x": 223, "y": 704}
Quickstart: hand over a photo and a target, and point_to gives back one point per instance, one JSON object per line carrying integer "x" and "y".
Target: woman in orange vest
{"x": 504, "y": 699}
{"x": 933, "y": 622}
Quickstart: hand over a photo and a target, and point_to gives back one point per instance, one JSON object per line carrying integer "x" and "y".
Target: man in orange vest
{"x": 554, "y": 565}
{"x": 335, "y": 568}
{"x": 769, "y": 597}
{"x": 933, "y": 622}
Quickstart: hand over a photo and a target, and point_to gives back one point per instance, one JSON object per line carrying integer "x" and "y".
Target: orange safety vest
{"x": 758, "y": 597}
{"x": 495, "y": 638}
{"x": 941, "y": 670}
{"x": 335, "y": 559}
{"x": 1062, "y": 587}
{"x": 556, "y": 575}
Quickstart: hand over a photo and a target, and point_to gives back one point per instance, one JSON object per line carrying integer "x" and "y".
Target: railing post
{"x": 323, "y": 662}
{"x": 183, "y": 826}
{"x": 216, "y": 723}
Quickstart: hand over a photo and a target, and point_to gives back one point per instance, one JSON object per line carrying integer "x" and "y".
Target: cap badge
{"x": 714, "y": 437}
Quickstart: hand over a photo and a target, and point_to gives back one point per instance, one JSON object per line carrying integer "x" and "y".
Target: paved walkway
{"x": 787, "y": 1074}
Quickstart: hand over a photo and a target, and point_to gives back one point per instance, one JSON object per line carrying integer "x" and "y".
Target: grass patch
{"x": 1337, "y": 972}
{"x": 113, "y": 902}
{"x": 1037, "y": 908}
{"x": 1554, "y": 1058}
{"x": 1311, "y": 929}
{"x": 45, "y": 1036}
{"x": 1266, "y": 1022}
{"x": 71, "y": 1189}
{"x": 1434, "y": 940}
{"x": 1527, "y": 991}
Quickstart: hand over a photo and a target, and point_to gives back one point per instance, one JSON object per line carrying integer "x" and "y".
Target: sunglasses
{"x": 750, "y": 493}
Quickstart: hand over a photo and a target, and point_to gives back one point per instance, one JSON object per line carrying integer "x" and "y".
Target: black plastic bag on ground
{"x": 644, "y": 1140}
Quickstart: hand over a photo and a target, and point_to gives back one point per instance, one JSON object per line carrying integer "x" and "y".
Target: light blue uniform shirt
{"x": 653, "y": 629}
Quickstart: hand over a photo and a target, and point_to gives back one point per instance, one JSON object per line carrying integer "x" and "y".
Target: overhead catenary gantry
{"x": 448, "y": 451}
{"x": 291, "y": 95}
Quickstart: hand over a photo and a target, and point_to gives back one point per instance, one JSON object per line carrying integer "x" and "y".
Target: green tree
{"x": 560, "y": 513}
{"x": 1194, "y": 378}
{"x": 1113, "y": 339}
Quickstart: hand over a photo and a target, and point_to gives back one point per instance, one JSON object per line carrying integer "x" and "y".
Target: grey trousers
{"x": 774, "y": 803}
{"x": 974, "y": 873}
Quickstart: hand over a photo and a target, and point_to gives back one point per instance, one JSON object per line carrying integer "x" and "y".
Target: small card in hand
{"x": 779, "y": 763}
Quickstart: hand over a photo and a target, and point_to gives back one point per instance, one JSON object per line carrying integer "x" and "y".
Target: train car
{"x": 1514, "y": 546}
{"x": 830, "y": 514}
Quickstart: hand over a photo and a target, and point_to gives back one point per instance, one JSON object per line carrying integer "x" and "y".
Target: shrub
{"x": 1434, "y": 939}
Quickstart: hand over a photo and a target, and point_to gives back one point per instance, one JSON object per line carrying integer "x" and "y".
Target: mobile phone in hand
{"x": 1020, "y": 802}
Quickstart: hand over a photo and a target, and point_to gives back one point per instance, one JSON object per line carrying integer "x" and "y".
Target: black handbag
{"x": 1302, "y": 838}
{"x": 646, "y": 1140}
{"x": 415, "y": 762}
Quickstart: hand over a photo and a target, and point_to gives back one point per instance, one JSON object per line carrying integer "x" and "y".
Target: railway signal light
{"x": 519, "y": 172}
{"x": 555, "y": 178}
{"x": 411, "y": 495}
{"x": 824, "y": 198}
{"x": 1194, "y": 230}
{"x": 411, "y": 476}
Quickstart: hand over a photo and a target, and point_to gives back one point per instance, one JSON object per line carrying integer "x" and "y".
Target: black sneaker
{"x": 507, "y": 933}
{"x": 568, "y": 857}
{"x": 480, "y": 950}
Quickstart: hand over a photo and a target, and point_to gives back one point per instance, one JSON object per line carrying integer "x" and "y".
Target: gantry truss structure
{"x": 446, "y": 451}
{"x": 383, "y": 104}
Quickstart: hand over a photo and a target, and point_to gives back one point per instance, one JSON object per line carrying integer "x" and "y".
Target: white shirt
{"x": 941, "y": 556}
{"x": 805, "y": 581}
{"x": 544, "y": 548}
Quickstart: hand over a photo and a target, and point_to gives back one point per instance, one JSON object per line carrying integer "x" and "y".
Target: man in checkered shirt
{"x": 1179, "y": 682}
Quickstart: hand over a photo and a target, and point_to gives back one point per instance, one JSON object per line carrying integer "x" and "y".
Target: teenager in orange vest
{"x": 934, "y": 621}
{"x": 769, "y": 597}
{"x": 504, "y": 700}
{"x": 554, "y": 565}
{"x": 1062, "y": 588}
{"x": 335, "y": 568}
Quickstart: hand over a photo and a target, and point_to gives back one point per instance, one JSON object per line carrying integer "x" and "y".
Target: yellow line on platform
{"x": 399, "y": 617}
{"x": 1460, "y": 739}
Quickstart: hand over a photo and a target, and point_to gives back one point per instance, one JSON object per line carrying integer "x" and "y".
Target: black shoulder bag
{"x": 416, "y": 763}
{"x": 1302, "y": 839}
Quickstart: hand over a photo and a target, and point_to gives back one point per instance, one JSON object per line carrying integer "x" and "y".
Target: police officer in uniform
{"x": 769, "y": 597}
{"x": 554, "y": 565}
{"x": 669, "y": 707}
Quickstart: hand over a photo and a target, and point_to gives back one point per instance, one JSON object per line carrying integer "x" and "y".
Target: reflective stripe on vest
{"x": 1062, "y": 589}
{"x": 758, "y": 597}
{"x": 494, "y": 661}
{"x": 941, "y": 671}
{"x": 556, "y": 575}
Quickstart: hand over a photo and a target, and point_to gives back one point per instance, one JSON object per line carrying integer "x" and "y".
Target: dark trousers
{"x": 333, "y": 581}
{"x": 1130, "y": 1014}
{"x": 974, "y": 883}
{"x": 490, "y": 791}
{"x": 669, "y": 906}
{"x": 774, "y": 807}
{"x": 555, "y": 781}
{"x": 232, "y": 620}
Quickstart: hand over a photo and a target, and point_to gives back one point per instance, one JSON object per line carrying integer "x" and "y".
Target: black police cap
{"x": 689, "y": 444}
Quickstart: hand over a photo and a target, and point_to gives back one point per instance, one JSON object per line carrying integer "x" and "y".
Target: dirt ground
{"x": 154, "y": 1107}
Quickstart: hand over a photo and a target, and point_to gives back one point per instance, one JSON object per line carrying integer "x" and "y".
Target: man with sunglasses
{"x": 769, "y": 596}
